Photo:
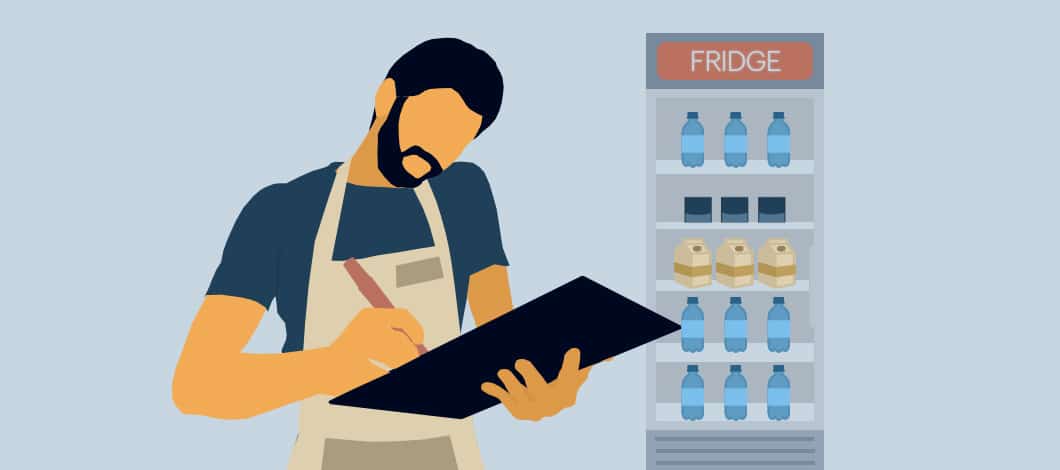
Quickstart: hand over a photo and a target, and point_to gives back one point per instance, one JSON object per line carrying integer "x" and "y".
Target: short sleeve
{"x": 249, "y": 263}
{"x": 482, "y": 246}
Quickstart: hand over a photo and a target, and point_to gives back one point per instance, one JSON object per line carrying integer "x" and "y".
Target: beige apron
{"x": 339, "y": 437}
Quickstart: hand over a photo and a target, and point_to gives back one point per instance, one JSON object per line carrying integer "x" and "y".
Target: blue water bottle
{"x": 735, "y": 141}
{"x": 778, "y": 395}
{"x": 735, "y": 327}
{"x": 692, "y": 141}
{"x": 692, "y": 328}
{"x": 735, "y": 394}
{"x": 778, "y": 142}
{"x": 778, "y": 327}
{"x": 692, "y": 395}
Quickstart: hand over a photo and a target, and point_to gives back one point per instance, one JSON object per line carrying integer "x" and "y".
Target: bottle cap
{"x": 693, "y": 300}
{"x": 778, "y": 115}
{"x": 693, "y": 368}
{"x": 735, "y": 368}
{"x": 778, "y": 301}
{"x": 693, "y": 115}
{"x": 735, "y": 115}
{"x": 735, "y": 300}
{"x": 778, "y": 368}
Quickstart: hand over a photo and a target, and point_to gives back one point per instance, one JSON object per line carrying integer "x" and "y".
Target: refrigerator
{"x": 715, "y": 76}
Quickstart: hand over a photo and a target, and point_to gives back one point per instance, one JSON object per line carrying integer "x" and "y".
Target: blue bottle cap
{"x": 735, "y": 368}
{"x": 778, "y": 368}
{"x": 778, "y": 115}
{"x": 778, "y": 301}
{"x": 735, "y": 115}
{"x": 693, "y": 115}
{"x": 693, "y": 368}
{"x": 693, "y": 300}
{"x": 735, "y": 300}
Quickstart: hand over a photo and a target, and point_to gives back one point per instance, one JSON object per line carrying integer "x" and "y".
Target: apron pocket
{"x": 418, "y": 271}
{"x": 435, "y": 453}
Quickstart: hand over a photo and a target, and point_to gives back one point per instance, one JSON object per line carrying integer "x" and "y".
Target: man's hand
{"x": 375, "y": 333}
{"x": 539, "y": 399}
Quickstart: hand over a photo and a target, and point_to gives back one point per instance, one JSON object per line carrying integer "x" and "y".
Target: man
{"x": 423, "y": 227}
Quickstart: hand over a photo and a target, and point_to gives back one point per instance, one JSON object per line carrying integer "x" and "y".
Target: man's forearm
{"x": 250, "y": 384}
{"x": 244, "y": 385}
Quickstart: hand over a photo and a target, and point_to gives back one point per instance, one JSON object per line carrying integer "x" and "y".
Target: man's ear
{"x": 384, "y": 100}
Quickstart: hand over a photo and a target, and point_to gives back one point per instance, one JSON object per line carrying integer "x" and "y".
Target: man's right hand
{"x": 372, "y": 334}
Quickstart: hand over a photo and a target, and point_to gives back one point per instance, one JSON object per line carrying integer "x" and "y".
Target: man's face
{"x": 424, "y": 134}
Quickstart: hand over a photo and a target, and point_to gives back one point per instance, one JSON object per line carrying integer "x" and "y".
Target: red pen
{"x": 371, "y": 291}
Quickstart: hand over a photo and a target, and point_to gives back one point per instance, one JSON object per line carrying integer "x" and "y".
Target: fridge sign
{"x": 735, "y": 61}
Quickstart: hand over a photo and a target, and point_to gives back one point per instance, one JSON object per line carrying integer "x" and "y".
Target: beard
{"x": 390, "y": 156}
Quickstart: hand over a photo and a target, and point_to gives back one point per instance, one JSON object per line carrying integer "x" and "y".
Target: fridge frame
{"x": 706, "y": 436}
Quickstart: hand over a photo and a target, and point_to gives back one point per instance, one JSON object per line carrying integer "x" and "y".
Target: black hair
{"x": 451, "y": 63}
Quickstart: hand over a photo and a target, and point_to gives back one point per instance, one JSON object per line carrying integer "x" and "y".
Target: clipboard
{"x": 446, "y": 381}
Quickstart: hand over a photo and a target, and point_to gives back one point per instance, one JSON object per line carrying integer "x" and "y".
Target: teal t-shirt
{"x": 270, "y": 247}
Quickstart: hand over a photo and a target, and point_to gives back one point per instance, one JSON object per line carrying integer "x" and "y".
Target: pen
{"x": 371, "y": 291}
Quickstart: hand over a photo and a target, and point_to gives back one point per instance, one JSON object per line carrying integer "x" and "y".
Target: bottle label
{"x": 692, "y": 143}
{"x": 692, "y": 397}
{"x": 778, "y": 329}
{"x": 735, "y": 396}
{"x": 735, "y": 143}
{"x": 736, "y": 329}
{"x": 778, "y": 144}
{"x": 692, "y": 329}
{"x": 779, "y": 396}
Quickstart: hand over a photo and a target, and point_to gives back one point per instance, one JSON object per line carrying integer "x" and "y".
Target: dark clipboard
{"x": 447, "y": 381}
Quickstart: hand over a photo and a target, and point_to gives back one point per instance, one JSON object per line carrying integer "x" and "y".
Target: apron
{"x": 334, "y": 437}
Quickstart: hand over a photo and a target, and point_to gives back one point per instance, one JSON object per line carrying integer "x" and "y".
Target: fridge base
{"x": 747, "y": 450}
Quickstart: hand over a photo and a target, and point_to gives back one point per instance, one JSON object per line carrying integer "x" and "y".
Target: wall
{"x": 131, "y": 135}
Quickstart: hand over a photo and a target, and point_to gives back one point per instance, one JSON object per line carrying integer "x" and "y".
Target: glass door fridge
{"x": 734, "y": 250}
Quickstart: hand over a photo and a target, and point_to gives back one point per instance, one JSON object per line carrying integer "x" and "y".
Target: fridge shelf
{"x": 717, "y": 167}
{"x": 715, "y": 352}
{"x": 786, "y": 226}
{"x": 715, "y": 413}
{"x": 668, "y": 285}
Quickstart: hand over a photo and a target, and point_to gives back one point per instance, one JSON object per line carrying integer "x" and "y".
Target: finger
{"x": 401, "y": 318}
{"x": 395, "y": 350}
{"x": 583, "y": 375}
{"x": 495, "y": 391}
{"x": 534, "y": 380}
{"x": 516, "y": 409}
{"x": 512, "y": 385}
{"x": 571, "y": 363}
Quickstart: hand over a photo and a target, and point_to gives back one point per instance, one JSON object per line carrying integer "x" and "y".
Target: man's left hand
{"x": 539, "y": 399}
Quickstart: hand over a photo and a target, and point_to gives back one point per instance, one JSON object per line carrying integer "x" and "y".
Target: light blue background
{"x": 130, "y": 136}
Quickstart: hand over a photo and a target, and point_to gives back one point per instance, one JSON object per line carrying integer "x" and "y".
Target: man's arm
{"x": 489, "y": 294}
{"x": 214, "y": 377}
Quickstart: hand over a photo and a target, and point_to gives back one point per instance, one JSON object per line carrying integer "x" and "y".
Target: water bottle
{"x": 692, "y": 141}
{"x": 735, "y": 394}
{"x": 735, "y": 326}
{"x": 778, "y": 327}
{"x": 735, "y": 141}
{"x": 692, "y": 328}
{"x": 692, "y": 396}
{"x": 778, "y": 395}
{"x": 778, "y": 142}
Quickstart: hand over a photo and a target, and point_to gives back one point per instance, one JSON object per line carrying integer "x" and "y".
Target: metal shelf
{"x": 787, "y": 226}
{"x": 717, "y": 167}
{"x": 715, "y": 352}
{"x": 668, "y": 285}
{"x": 715, "y": 413}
